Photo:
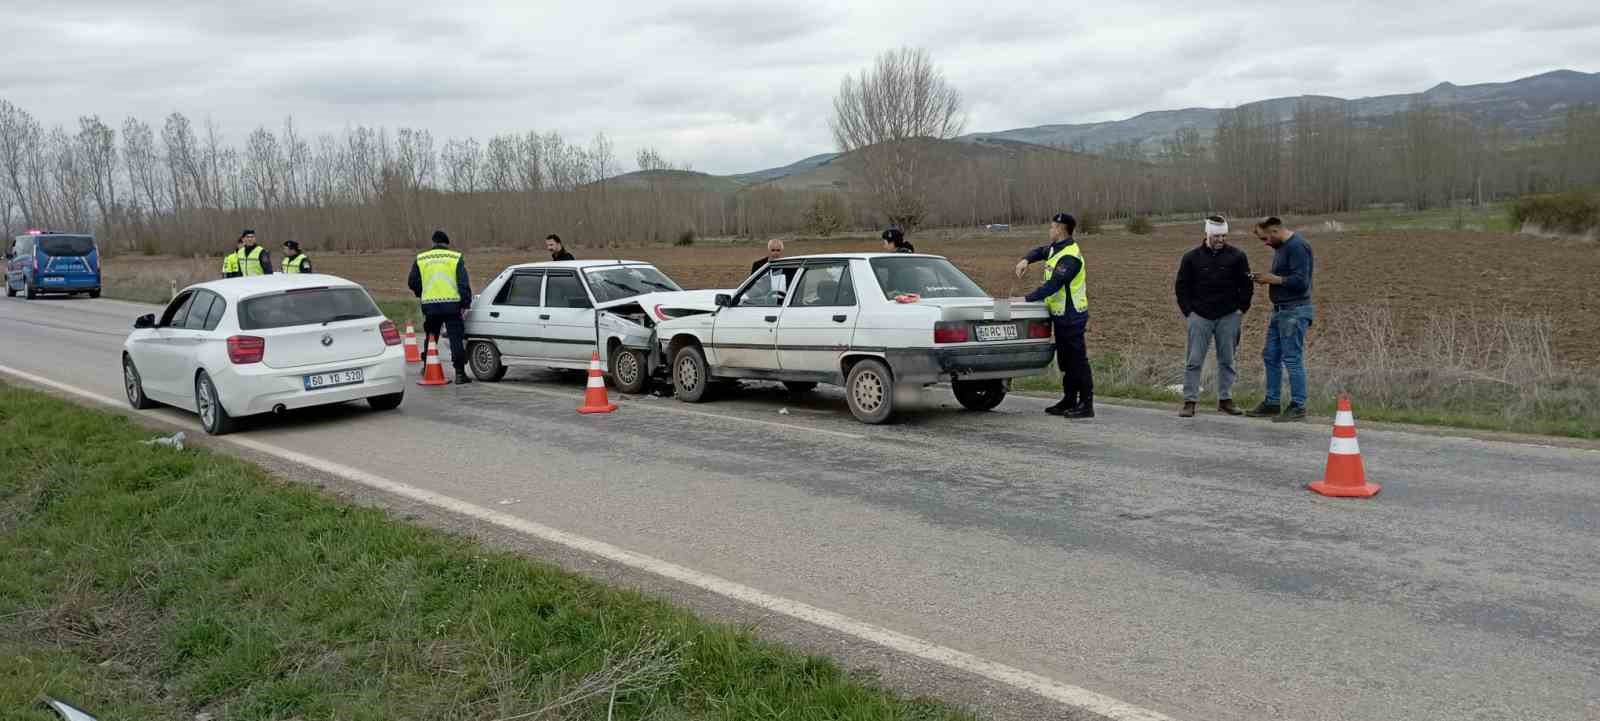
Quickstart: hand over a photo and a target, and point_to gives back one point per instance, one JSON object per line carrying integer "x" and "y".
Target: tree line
{"x": 181, "y": 188}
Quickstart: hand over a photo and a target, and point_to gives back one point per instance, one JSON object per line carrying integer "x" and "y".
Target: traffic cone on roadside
{"x": 412, "y": 354}
{"x": 433, "y": 373}
{"x": 1345, "y": 476}
{"x": 594, "y": 399}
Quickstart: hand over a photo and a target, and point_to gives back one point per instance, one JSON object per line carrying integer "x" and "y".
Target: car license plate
{"x": 336, "y": 378}
{"x": 997, "y": 332}
{"x": 49, "y": 279}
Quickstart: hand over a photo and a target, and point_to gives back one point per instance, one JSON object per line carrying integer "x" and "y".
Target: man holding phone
{"x": 1289, "y": 287}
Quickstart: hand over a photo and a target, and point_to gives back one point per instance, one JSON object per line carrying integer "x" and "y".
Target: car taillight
{"x": 391, "y": 334}
{"x": 1038, "y": 329}
{"x": 661, "y": 314}
{"x": 246, "y": 349}
{"x": 951, "y": 332}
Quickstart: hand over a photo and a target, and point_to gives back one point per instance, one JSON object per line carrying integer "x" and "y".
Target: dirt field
{"x": 1412, "y": 273}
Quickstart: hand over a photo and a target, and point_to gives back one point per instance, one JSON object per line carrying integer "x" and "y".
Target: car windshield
{"x": 927, "y": 277}
{"x": 66, "y": 244}
{"x": 627, "y": 281}
{"x": 305, "y": 307}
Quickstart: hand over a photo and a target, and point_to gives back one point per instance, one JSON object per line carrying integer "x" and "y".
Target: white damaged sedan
{"x": 265, "y": 344}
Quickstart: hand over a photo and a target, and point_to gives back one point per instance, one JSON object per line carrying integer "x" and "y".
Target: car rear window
{"x": 927, "y": 277}
{"x": 305, "y": 307}
{"x": 66, "y": 244}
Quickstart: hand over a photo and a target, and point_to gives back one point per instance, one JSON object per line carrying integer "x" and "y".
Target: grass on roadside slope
{"x": 149, "y": 583}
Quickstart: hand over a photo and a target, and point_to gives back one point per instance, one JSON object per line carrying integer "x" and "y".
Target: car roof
{"x": 854, "y": 256}
{"x": 576, "y": 264}
{"x": 237, "y": 288}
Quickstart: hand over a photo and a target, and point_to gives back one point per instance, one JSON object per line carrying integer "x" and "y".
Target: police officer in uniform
{"x": 230, "y": 262}
{"x": 439, "y": 280}
{"x": 1065, "y": 294}
{"x": 253, "y": 259}
{"x": 295, "y": 261}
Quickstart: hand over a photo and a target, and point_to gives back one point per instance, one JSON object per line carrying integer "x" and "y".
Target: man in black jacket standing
{"x": 1214, "y": 291}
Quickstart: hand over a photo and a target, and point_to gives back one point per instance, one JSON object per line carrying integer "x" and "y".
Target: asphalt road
{"x": 1177, "y": 565}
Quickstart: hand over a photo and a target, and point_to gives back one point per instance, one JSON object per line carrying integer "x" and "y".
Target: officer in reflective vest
{"x": 439, "y": 280}
{"x": 1065, "y": 295}
{"x": 295, "y": 261}
{"x": 253, "y": 259}
{"x": 230, "y": 262}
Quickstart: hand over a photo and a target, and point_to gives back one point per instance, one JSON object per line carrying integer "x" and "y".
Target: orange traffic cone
{"x": 594, "y": 399}
{"x": 1345, "y": 477}
{"x": 433, "y": 373}
{"x": 412, "y": 355}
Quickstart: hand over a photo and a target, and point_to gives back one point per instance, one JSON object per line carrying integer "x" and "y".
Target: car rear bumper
{"x": 65, "y": 284}
{"x": 256, "y": 389}
{"x": 970, "y": 362}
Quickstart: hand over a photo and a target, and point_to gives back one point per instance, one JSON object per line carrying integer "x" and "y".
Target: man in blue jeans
{"x": 1289, "y": 288}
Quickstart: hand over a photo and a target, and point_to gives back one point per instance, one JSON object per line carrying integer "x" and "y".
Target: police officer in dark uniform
{"x": 439, "y": 280}
{"x": 295, "y": 261}
{"x": 1065, "y": 294}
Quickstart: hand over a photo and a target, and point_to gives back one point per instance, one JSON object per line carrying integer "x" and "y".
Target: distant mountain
{"x": 1527, "y": 106}
{"x": 761, "y": 176}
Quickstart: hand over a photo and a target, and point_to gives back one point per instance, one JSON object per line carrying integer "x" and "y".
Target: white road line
{"x": 650, "y": 406}
{"x": 1049, "y": 688}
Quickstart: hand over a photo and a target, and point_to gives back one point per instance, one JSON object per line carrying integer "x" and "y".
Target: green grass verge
{"x": 1558, "y": 417}
{"x": 150, "y": 583}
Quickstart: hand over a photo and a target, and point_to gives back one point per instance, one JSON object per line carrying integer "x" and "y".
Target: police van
{"x": 46, "y": 261}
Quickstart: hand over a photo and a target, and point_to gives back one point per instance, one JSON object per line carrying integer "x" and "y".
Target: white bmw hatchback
{"x": 265, "y": 344}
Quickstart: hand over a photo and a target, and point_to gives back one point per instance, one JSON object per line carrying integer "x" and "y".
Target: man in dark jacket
{"x": 1289, "y": 289}
{"x": 558, "y": 250}
{"x": 774, "y": 252}
{"x": 1214, "y": 291}
{"x": 439, "y": 279}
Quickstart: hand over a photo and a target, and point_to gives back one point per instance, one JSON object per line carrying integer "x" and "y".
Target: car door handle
{"x": 494, "y": 314}
{"x": 840, "y": 318}
{"x": 771, "y": 319}
{"x": 544, "y": 317}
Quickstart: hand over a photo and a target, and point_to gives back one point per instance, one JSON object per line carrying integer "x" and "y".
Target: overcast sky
{"x": 738, "y": 86}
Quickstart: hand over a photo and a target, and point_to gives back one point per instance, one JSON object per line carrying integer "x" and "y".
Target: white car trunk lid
{"x": 305, "y": 345}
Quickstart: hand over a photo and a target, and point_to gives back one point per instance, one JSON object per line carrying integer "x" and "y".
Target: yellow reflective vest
{"x": 230, "y": 263}
{"x": 250, "y": 262}
{"x": 438, "y": 270}
{"x": 292, "y": 265}
{"x": 1079, "y": 287}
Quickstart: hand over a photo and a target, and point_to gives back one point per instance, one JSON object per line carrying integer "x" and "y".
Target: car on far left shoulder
{"x": 239, "y": 347}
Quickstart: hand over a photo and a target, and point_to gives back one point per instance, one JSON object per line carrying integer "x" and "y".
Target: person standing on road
{"x": 894, "y": 241}
{"x": 439, "y": 280}
{"x": 774, "y": 252}
{"x": 1289, "y": 287}
{"x": 1214, "y": 292}
{"x": 558, "y": 251}
{"x": 230, "y": 262}
{"x": 253, "y": 259}
{"x": 1065, "y": 293}
{"x": 295, "y": 261}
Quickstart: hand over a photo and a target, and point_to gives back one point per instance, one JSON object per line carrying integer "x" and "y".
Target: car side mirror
{"x": 723, "y": 300}
{"x": 145, "y": 321}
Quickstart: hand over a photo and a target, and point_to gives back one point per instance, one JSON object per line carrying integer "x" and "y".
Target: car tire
{"x": 691, "y": 376}
{"x": 484, "y": 358}
{"x": 29, "y": 292}
{"x": 799, "y": 387}
{"x": 628, "y": 371}
{"x": 979, "y": 395}
{"x": 869, "y": 389}
{"x": 133, "y": 384}
{"x": 94, "y": 293}
{"x": 386, "y": 402}
{"x": 214, "y": 419}
{"x": 10, "y": 291}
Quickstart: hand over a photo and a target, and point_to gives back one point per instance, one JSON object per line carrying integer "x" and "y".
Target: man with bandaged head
{"x": 1214, "y": 291}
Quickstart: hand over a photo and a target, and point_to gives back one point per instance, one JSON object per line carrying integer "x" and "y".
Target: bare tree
{"x": 461, "y": 159}
{"x": 887, "y": 117}
{"x": 263, "y": 168}
{"x": 20, "y": 136}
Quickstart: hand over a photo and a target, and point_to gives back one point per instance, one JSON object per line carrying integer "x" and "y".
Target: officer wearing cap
{"x": 439, "y": 279}
{"x": 1065, "y": 294}
{"x": 894, "y": 241}
{"x": 253, "y": 259}
{"x": 295, "y": 261}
